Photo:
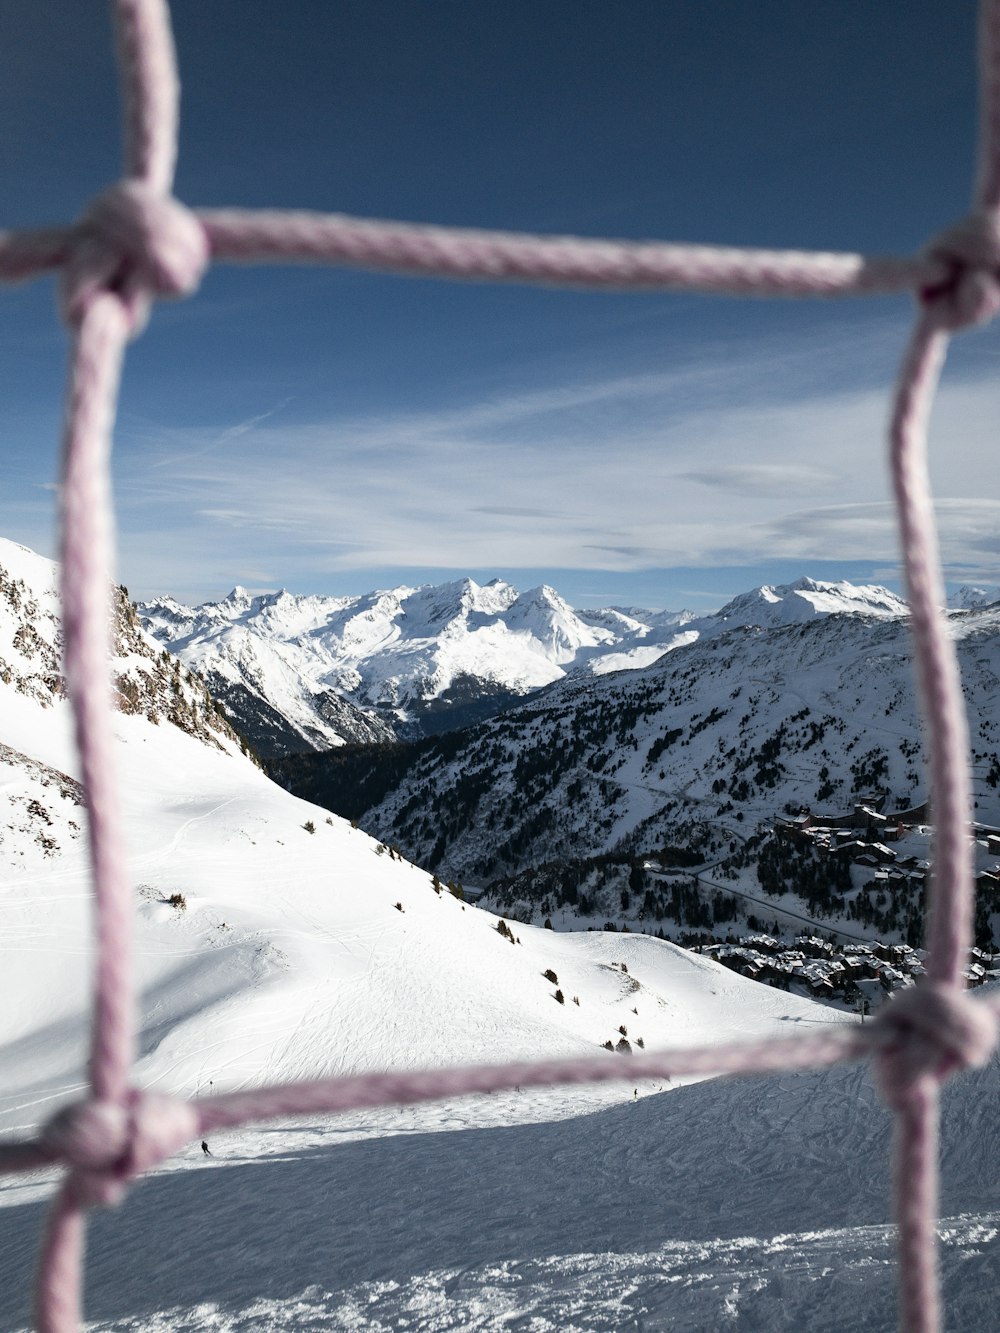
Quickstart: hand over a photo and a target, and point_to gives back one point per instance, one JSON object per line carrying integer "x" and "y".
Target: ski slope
{"x": 752, "y": 1204}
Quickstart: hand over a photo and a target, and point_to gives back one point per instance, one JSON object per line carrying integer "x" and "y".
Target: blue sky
{"x": 336, "y": 431}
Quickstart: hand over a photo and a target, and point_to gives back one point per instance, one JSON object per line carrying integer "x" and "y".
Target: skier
{"x": 205, "y": 1149}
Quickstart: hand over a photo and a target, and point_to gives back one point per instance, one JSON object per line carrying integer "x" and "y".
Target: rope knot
{"x": 105, "y": 1144}
{"x": 934, "y": 1030}
{"x": 136, "y": 243}
{"x": 969, "y": 292}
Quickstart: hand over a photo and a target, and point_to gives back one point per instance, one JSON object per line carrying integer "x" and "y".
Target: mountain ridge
{"x": 299, "y": 672}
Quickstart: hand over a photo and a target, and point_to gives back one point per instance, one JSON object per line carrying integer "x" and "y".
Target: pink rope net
{"x": 137, "y": 242}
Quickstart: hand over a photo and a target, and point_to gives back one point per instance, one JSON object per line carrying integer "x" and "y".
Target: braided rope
{"x": 238, "y": 235}
{"x": 137, "y": 242}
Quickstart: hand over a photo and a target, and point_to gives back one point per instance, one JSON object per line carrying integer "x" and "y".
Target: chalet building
{"x": 865, "y": 815}
{"x": 883, "y": 854}
{"x": 853, "y": 850}
{"x": 820, "y": 986}
{"x": 801, "y": 830}
{"x": 766, "y": 942}
{"x": 815, "y": 945}
{"x": 853, "y": 968}
{"x": 892, "y": 979}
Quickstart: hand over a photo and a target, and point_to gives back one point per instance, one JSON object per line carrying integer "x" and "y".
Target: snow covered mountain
{"x": 793, "y": 603}
{"x": 969, "y": 598}
{"x": 274, "y": 939}
{"x": 297, "y": 673}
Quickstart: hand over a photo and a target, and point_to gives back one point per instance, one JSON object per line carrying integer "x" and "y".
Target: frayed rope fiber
{"x": 135, "y": 243}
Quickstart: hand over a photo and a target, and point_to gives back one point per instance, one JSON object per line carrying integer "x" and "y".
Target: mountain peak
{"x": 543, "y": 594}
{"x": 805, "y": 598}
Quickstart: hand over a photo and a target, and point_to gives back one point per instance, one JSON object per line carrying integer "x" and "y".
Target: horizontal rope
{"x": 28, "y": 254}
{"x": 250, "y": 236}
{"x": 19, "y": 1157}
{"x": 258, "y": 236}
{"x": 362, "y": 1091}
{"x": 389, "y": 1088}
{"x": 386, "y": 1088}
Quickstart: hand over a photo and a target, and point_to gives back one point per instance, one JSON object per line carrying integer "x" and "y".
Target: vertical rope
{"x": 949, "y": 900}
{"x": 915, "y": 1195}
{"x": 86, "y": 558}
{"x": 949, "y": 926}
{"x": 60, "y": 1269}
{"x": 103, "y": 324}
{"x": 150, "y": 91}
{"x": 86, "y": 588}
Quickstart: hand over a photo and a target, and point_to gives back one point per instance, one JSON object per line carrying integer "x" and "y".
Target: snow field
{"x": 757, "y": 1203}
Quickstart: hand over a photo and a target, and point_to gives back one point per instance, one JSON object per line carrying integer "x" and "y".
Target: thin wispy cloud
{"x": 220, "y": 439}
{"x": 765, "y": 478}
{"x": 510, "y": 511}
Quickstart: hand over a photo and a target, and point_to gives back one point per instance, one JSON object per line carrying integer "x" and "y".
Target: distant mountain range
{"x": 308, "y": 672}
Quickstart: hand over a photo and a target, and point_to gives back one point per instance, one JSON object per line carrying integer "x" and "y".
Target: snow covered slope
{"x": 297, "y": 673}
{"x": 289, "y": 956}
{"x": 294, "y": 944}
